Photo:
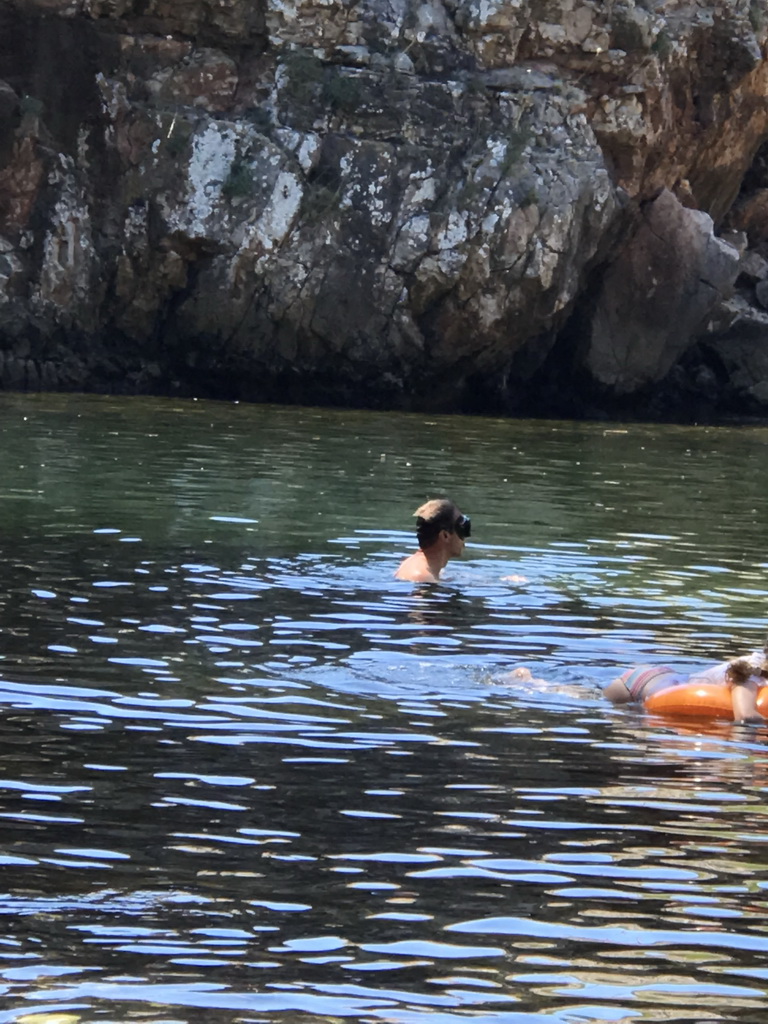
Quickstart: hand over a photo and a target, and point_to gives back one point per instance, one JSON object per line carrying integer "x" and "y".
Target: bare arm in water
{"x": 744, "y": 678}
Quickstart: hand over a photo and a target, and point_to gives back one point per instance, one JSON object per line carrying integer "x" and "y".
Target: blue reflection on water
{"x": 244, "y": 771}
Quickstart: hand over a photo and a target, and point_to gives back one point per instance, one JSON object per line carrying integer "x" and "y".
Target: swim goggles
{"x": 463, "y": 527}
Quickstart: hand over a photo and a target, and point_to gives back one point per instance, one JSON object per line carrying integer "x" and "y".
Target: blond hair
{"x": 432, "y": 517}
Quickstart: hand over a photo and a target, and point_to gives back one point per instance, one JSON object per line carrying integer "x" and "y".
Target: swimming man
{"x": 441, "y": 530}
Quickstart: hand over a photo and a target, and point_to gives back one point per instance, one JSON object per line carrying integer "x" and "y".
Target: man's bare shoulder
{"x": 415, "y": 570}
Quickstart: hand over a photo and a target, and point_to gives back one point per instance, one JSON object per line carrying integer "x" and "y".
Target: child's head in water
{"x": 741, "y": 670}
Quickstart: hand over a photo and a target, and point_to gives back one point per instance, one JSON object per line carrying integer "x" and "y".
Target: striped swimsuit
{"x": 643, "y": 680}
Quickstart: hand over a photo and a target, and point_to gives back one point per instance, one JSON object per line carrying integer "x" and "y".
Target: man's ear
{"x": 445, "y": 535}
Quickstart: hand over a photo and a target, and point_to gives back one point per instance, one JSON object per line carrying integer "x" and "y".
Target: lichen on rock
{"x": 459, "y": 204}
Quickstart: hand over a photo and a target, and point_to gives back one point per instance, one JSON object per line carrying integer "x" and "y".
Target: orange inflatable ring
{"x": 699, "y": 700}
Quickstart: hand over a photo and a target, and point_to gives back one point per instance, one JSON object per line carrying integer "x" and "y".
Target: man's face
{"x": 456, "y": 545}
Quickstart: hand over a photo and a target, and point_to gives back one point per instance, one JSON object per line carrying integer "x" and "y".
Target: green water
{"x": 245, "y": 775}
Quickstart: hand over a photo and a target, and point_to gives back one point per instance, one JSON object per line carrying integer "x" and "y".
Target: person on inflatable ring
{"x": 743, "y": 677}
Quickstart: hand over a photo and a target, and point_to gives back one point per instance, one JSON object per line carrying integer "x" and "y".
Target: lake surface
{"x": 246, "y": 776}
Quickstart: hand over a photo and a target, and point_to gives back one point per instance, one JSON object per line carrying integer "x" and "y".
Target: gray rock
{"x": 761, "y": 293}
{"x": 393, "y": 203}
{"x": 657, "y": 293}
{"x": 753, "y": 266}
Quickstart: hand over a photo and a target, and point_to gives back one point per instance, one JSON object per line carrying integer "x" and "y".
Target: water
{"x": 247, "y": 776}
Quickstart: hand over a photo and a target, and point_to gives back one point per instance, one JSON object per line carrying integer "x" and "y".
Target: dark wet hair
{"x": 434, "y": 516}
{"x": 740, "y": 670}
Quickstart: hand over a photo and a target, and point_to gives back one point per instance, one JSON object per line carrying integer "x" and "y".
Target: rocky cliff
{"x": 520, "y": 206}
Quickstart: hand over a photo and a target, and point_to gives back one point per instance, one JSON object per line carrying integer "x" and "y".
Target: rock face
{"x": 508, "y": 205}
{"x": 655, "y": 295}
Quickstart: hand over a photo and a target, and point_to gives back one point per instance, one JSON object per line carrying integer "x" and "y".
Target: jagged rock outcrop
{"x": 450, "y": 204}
{"x": 651, "y": 301}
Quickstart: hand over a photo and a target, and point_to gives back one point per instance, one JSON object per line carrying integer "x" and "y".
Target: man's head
{"x": 438, "y": 520}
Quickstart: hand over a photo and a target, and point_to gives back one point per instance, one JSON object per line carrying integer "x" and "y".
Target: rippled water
{"x": 247, "y": 776}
